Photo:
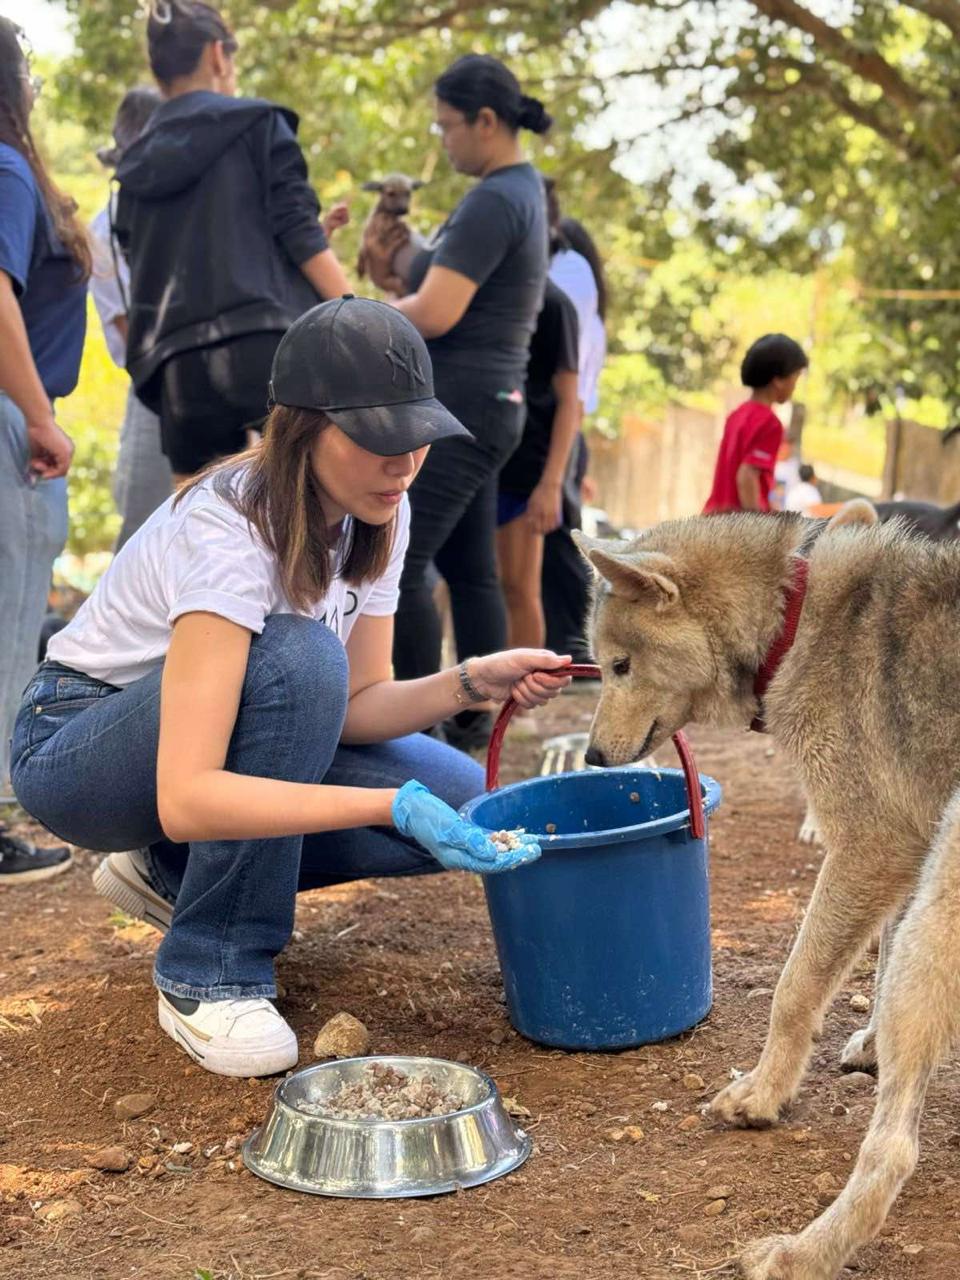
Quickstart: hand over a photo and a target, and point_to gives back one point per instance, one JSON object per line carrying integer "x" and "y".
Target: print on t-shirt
{"x": 333, "y": 616}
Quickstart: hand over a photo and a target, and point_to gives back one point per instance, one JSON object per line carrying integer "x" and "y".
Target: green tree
{"x": 359, "y": 73}
{"x": 833, "y": 124}
{"x": 846, "y": 135}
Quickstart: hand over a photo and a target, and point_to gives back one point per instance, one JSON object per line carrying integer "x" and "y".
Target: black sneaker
{"x": 23, "y": 863}
{"x": 469, "y": 730}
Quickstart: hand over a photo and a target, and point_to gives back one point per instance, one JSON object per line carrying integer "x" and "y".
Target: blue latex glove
{"x": 456, "y": 844}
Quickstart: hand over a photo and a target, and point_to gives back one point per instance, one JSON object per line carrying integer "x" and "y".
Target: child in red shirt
{"x": 743, "y": 478}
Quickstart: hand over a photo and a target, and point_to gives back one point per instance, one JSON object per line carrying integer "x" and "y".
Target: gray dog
{"x": 848, "y": 649}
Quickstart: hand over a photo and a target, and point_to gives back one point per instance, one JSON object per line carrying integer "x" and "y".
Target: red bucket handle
{"x": 585, "y": 670}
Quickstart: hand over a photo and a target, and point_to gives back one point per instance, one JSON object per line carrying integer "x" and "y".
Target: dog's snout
{"x": 595, "y": 756}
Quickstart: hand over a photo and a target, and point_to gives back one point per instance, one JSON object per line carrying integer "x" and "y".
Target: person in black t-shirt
{"x": 478, "y": 289}
{"x": 531, "y": 482}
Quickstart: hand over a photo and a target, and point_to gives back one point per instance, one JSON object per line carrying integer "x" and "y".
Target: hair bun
{"x": 533, "y": 115}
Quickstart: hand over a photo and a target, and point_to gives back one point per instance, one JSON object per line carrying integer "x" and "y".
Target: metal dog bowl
{"x": 385, "y": 1159}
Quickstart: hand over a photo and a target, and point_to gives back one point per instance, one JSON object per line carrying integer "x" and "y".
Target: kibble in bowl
{"x": 383, "y": 1092}
{"x": 386, "y": 1127}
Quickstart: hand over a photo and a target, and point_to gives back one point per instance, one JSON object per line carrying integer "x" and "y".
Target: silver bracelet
{"x": 467, "y": 686}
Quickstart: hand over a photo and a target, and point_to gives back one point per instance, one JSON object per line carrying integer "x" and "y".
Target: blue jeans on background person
{"x": 33, "y": 532}
{"x": 142, "y": 479}
{"x": 85, "y": 763}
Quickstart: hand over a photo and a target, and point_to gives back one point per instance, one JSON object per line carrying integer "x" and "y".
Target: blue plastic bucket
{"x": 604, "y": 943}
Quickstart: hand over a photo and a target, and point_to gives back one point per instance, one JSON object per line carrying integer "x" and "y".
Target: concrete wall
{"x": 656, "y": 470}
{"x": 920, "y": 466}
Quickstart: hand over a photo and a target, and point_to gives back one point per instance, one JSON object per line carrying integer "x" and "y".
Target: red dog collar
{"x": 792, "y": 608}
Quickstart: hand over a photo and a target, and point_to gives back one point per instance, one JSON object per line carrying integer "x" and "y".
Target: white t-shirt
{"x": 202, "y": 556}
{"x": 787, "y": 472}
{"x": 109, "y": 291}
{"x": 571, "y": 272}
{"x": 593, "y": 354}
{"x": 802, "y": 497}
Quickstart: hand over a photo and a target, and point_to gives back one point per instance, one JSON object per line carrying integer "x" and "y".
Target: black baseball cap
{"x": 367, "y": 368}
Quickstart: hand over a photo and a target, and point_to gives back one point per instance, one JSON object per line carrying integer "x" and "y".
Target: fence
{"x": 656, "y": 470}
{"x": 660, "y": 469}
{"x": 920, "y": 465}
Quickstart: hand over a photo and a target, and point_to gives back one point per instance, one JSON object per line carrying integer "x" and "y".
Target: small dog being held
{"x": 865, "y": 701}
{"x": 388, "y": 244}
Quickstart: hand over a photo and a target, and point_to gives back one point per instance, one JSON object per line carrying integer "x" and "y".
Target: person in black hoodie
{"x": 221, "y": 229}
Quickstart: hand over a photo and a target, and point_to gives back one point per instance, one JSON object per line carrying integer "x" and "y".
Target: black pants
{"x": 565, "y": 583}
{"x": 454, "y": 524}
{"x": 210, "y": 396}
{"x": 566, "y": 578}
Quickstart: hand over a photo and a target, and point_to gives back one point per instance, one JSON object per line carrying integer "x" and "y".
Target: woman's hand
{"x": 523, "y": 673}
{"x": 338, "y": 217}
{"x": 456, "y": 844}
{"x": 544, "y": 508}
{"x": 380, "y": 251}
{"x": 50, "y": 449}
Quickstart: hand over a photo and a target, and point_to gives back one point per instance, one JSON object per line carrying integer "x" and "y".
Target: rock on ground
{"x": 133, "y": 1105}
{"x": 343, "y": 1036}
{"x": 110, "y": 1160}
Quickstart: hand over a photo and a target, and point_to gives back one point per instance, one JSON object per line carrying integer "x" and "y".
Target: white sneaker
{"x": 230, "y": 1037}
{"x": 122, "y": 879}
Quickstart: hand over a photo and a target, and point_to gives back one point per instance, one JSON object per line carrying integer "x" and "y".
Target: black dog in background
{"x": 942, "y": 524}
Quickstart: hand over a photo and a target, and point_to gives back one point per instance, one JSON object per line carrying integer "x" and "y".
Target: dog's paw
{"x": 860, "y": 1052}
{"x": 775, "y": 1258}
{"x": 780, "y": 1258}
{"x": 746, "y": 1103}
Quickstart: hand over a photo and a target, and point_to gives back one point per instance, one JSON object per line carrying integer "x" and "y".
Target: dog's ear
{"x": 637, "y": 575}
{"x": 372, "y": 186}
{"x": 856, "y": 511}
{"x": 417, "y": 183}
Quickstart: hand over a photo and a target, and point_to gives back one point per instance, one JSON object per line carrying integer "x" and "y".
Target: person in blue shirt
{"x": 44, "y": 267}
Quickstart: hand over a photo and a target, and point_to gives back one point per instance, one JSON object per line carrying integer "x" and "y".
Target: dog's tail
{"x": 856, "y": 511}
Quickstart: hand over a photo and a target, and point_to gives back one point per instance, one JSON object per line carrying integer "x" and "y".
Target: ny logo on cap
{"x": 405, "y": 363}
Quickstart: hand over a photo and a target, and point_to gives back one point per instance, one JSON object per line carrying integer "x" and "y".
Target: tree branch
{"x": 866, "y": 63}
{"x": 815, "y": 78}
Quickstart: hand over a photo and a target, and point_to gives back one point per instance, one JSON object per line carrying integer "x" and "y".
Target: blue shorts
{"x": 510, "y": 506}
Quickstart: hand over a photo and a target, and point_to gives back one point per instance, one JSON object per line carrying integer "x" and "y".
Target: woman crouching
{"x": 227, "y": 688}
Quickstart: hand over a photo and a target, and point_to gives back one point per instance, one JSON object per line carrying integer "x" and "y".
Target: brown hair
{"x": 15, "y": 132}
{"x": 274, "y": 486}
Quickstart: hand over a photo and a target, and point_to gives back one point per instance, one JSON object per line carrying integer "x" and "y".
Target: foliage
{"x": 92, "y": 417}
{"x": 835, "y": 126}
{"x": 828, "y": 147}
{"x": 833, "y": 123}
{"x": 360, "y": 73}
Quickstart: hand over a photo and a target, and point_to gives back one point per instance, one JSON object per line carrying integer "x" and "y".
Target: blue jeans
{"x": 143, "y": 479}
{"x": 33, "y": 532}
{"x": 85, "y": 763}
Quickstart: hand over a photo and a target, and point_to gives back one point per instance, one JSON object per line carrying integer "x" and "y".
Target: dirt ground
{"x": 415, "y": 960}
